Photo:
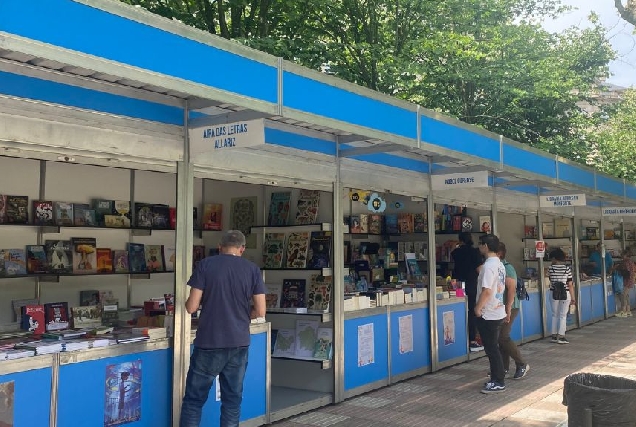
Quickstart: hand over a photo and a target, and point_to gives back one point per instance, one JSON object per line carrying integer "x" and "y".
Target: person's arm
{"x": 570, "y": 284}
{"x": 259, "y": 308}
{"x": 511, "y": 287}
{"x": 194, "y": 300}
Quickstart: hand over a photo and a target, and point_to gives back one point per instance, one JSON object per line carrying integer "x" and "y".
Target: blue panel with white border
{"x": 609, "y": 185}
{"x": 453, "y": 137}
{"x": 532, "y": 316}
{"x": 452, "y": 336}
{"x": 406, "y": 360}
{"x": 355, "y": 375}
{"x": 519, "y": 158}
{"x": 585, "y": 305}
{"x": 31, "y": 396}
{"x": 576, "y": 175}
{"x": 515, "y": 331}
{"x": 598, "y": 301}
{"x": 95, "y": 32}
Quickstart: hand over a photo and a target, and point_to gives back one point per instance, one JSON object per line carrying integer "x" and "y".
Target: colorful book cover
{"x": 405, "y": 223}
{"x": 56, "y": 316}
{"x": 143, "y": 215}
{"x": 319, "y": 295}
{"x": 43, "y": 213}
{"x": 307, "y": 207}
{"x": 420, "y": 224}
{"x": 273, "y": 295}
{"x": 160, "y": 217}
{"x": 33, "y": 319}
{"x": 364, "y": 223}
{"x": 104, "y": 260}
{"x": 213, "y": 216}
{"x": 354, "y": 224}
{"x": 3, "y": 208}
{"x": 154, "y": 258}
{"x": 173, "y": 218}
{"x": 279, "y": 209}
{"x": 285, "y": 343}
{"x": 84, "y": 255}
{"x": 88, "y": 316}
{"x": 273, "y": 249}
{"x": 79, "y": 214}
{"x": 306, "y": 337}
{"x": 170, "y": 257}
{"x": 120, "y": 261}
{"x": 319, "y": 249}
{"x": 102, "y": 208}
{"x": 297, "y": 246}
{"x": 36, "y": 259}
{"x": 391, "y": 224}
{"x": 59, "y": 254}
{"x": 375, "y": 224}
{"x": 122, "y": 393}
{"x": 485, "y": 224}
{"x": 15, "y": 262}
{"x": 293, "y": 294}
{"x": 324, "y": 344}
{"x": 17, "y": 210}
{"x": 88, "y": 298}
{"x": 243, "y": 217}
{"x": 136, "y": 258}
{"x": 64, "y": 214}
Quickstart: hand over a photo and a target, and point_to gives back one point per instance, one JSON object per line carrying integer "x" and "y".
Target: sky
{"x": 621, "y": 35}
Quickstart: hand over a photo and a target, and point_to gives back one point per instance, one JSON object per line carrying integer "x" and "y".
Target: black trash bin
{"x": 599, "y": 401}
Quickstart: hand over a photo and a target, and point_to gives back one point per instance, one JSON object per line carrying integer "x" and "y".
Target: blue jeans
{"x": 230, "y": 365}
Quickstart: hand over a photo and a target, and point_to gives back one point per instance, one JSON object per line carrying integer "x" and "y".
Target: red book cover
{"x": 33, "y": 319}
{"x": 173, "y": 218}
{"x": 104, "y": 260}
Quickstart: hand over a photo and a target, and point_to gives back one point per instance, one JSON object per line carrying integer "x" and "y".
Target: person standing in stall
{"x": 596, "y": 261}
{"x": 467, "y": 260}
{"x": 627, "y": 269}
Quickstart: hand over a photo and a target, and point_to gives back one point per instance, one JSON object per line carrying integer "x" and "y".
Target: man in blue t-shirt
{"x": 596, "y": 261}
{"x": 224, "y": 286}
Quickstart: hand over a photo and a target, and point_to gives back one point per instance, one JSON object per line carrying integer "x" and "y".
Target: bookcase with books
{"x": 288, "y": 233}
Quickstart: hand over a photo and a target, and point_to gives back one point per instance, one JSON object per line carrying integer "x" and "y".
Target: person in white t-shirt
{"x": 491, "y": 309}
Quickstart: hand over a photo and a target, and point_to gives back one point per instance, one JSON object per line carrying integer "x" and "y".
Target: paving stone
{"x": 319, "y": 419}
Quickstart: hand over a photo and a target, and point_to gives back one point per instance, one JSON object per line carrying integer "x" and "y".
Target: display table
{"x": 256, "y": 386}
{"x": 452, "y": 332}
{"x": 531, "y": 317}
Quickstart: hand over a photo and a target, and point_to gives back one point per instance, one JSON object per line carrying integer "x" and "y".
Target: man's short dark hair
{"x": 502, "y": 249}
{"x": 491, "y": 241}
{"x": 558, "y": 255}
{"x": 466, "y": 238}
{"x": 233, "y": 239}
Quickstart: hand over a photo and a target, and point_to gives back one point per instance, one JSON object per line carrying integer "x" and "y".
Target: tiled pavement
{"x": 451, "y": 396}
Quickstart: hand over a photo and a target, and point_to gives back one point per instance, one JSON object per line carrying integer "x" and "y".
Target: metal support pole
{"x": 40, "y": 237}
{"x": 183, "y": 269}
{"x": 131, "y": 198}
{"x": 432, "y": 271}
{"x": 493, "y": 210}
{"x": 604, "y": 271}
{"x": 577, "y": 266}
{"x": 338, "y": 283}
{"x": 55, "y": 384}
{"x": 542, "y": 290}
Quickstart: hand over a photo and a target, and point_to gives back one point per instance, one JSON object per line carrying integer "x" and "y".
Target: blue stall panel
{"x": 585, "y": 305}
{"x": 82, "y": 390}
{"x": 356, "y": 376}
{"x": 632, "y": 297}
{"x": 598, "y": 301}
{"x": 515, "y": 332}
{"x": 532, "y": 317}
{"x": 420, "y": 357}
{"x": 448, "y": 349}
{"x": 254, "y": 388}
{"x": 31, "y": 397}
{"x": 611, "y": 303}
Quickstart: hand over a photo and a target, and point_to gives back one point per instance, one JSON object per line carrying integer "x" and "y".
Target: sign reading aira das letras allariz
{"x": 228, "y": 136}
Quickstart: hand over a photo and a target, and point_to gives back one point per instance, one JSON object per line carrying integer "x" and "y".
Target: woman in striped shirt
{"x": 562, "y": 289}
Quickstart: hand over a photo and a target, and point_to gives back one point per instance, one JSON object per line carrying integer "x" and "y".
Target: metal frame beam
{"x": 373, "y": 149}
{"x": 229, "y": 117}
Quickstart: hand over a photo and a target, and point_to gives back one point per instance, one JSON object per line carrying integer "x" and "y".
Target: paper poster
{"x": 366, "y": 345}
{"x": 6, "y": 403}
{"x": 122, "y": 397}
{"x": 449, "y": 327}
{"x": 539, "y": 246}
{"x": 243, "y": 218}
{"x": 217, "y": 388}
{"x": 405, "y": 329}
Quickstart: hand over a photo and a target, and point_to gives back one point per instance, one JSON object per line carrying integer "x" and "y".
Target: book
{"x": 3, "y": 270}
{"x": 391, "y": 224}
{"x": 306, "y": 337}
{"x": 273, "y": 250}
{"x": 89, "y": 316}
{"x": 273, "y": 295}
{"x": 297, "y": 247}
{"x": 319, "y": 253}
{"x": 56, "y": 316}
{"x": 375, "y": 224}
{"x": 88, "y": 298}
{"x": 319, "y": 294}
{"x": 212, "y": 216}
{"x": 102, "y": 208}
{"x": 154, "y": 258}
{"x": 3, "y": 208}
{"x": 405, "y": 223}
{"x": 43, "y": 213}
{"x": 198, "y": 253}
{"x": 285, "y": 343}
{"x": 160, "y": 217}
{"x": 120, "y": 261}
{"x": 36, "y": 259}
{"x": 78, "y": 214}
{"x": 84, "y": 255}
{"x": 420, "y": 223}
{"x": 143, "y": 215}
{"x": 32, "y": 319}
{"x": 104, "y": 260}
{"x": 59, "y": 254}
{"x": 279, "y": 209}
{"x": 293, "y": 293}
{"x": 364, "y": 223}
{"x": 354, "y": 224}
{"x": 16, "y": 210}
{"x": 15, "y": 262}
{"x": 485, "y": 224}
{"x": 64, "y": 214}
{"x": 170, "y": 257}
{"x": 563, "y": 227}
{"x": 137, "y": 258}
{"x": 324, "y": 344}
{"x": 307, "y": 207}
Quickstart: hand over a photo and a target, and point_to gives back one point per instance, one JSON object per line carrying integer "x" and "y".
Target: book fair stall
{"x": 120, "y": 167}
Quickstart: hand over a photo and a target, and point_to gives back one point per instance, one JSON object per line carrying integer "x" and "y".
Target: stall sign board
{"x": 228, "y": 136}
{"x": 563, "y": 201}
{"x": 460, "y": 180}
{"x": 615, "y": 211}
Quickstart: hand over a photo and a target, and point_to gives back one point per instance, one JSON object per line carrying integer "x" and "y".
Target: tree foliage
{"x": 486, "y": 62}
